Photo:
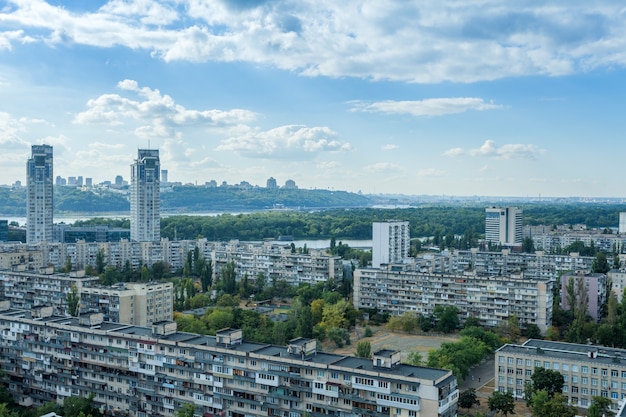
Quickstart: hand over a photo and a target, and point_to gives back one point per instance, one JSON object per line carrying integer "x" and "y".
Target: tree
{"x": 73, "y": 301}
{"x": 557, "y": 406}
{"x": 68, "y": 265}
{"x": 363, "y": 349}
{"x": 467, "y": 399}
{"x": 544, "y": 380}
{"x": 415, "y": 358}
{"x": 502, "y": 402}
{"x": 74, "y": 406}
{"x": 339, "y": 335}
{"x": 100, "y": 264}
{"x": 600, "y": 265}
{"x": 447, "y": 318}
{"x": 187, "y": 410}
{"x": 528, "y": 245}
{"x": 600, "y": 407}
{"x": 6, "y": 412}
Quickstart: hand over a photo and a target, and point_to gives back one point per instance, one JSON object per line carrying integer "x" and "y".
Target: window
{"x": 555, "y": 366}
{"x": 509, "y": 360}
{"x": 585, "y": 369}
{"x": 605, "y": 372}
{"x": 501, "y": 359}
{"x": 519, "y": 361}
{"x": 605, "y": 383}
{"x": 614, "y": 373}
{"x": 574, "y": 368}
{"x": 594, "y": 371}
{"x": 574, "y": 379}
{"x": 594, "y": 382}
{"x": 528, "y": 372}
{"x": 528, "y": 362}
{"x": 565, "y": 367}
{"x": 574, "y": 389}
{"x": 584, "y": 380}
{"x": 565, "y": 378}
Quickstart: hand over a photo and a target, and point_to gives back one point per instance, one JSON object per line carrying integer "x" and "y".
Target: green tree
{"x": 468, "y": 399}
{"x": 546, "y": 380}
{"x": 187, "y": 410}
{"x": 557, "y": 406}
{"x": 528, "y": 245}
{"x": 6, "y": 412}
{"x": 447, "y": 318}
{"x": 600, "y": 264}
{"x": 73, "y": 301}
{"x": 363, "y": 349}
{"x": 339, "y": 335}
{"x": 68, "y": 265}
{"x": 74, "y": 406}
{"x": 600, "y": 407}
{"x": 100, "y": 264}
{"x": 502, "y": 402}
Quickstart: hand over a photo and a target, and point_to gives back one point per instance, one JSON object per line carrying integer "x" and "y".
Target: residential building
{"x": 28, "y": 290}
{"x": 398, "y": 289}
{"x": 20, "y": 257}
{"x": 155, "y": 371}
{"x": 164, "y": 178}
{"x": 271, "y": 183}
{"x": 622, "y": 223}
{"x": 587, "y": 370}
{"x": 39, "y": 195}
{"x": 4, "y": 230}
{"x": 391, "y": 241}
{"x": 68, "y": 234}
{"x": 617, "y": 277}
{"x": 594, "y": 289}
{"x": 132, "y": 303}
{"x": 503, "y": 226}
{"x": 145, "y": 206}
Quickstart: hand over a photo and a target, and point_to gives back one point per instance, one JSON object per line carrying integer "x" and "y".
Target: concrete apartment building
{"x": 503, "y": 226}
{"x": 39, "y": 195}
{"x": 140, "y": 371}
{"x": 588, "y": 370}
{"x": 549, "y": 240}
{"x": 492, "y": 299}
{"x": 131, "y": 303}
{"x": 27, "y": 290}
{"x": 145, "y": 200}
{"x": 594, "y": 288}
{"x": 391, "y": 241}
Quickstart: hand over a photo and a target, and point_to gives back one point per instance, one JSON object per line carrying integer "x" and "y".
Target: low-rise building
{"x": 587, "y": 370}
{"x": 593, "y": 287}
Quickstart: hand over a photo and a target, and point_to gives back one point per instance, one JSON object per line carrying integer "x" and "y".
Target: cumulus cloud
{"x": 427, "y": 107}
{"x": 508, "y": 151}
{"x": 383, "y": 167}
{"x": 430, "y": 172}
{"x": 389, "y": 147}
{"x": 425, "y": 42}
{"x": 158, "y": 114}
{"x": 291, "y": 141}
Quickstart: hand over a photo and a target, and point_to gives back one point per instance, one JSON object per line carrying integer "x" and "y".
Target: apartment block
{"x": 587, "y": 370}
{"x": 145, "y": 198}
{"x": 39, "y": 195}
{"x": 132, "y": 303}
{"x": 27, "y": 290}
{"x": 154, "y": 371}
{"x": 549, "y": 240}
{"x": 391, "y": 241}
{"x": 594, "y": 288}
{"x": 492, "y": 299}
{"x": 503, "y": 226}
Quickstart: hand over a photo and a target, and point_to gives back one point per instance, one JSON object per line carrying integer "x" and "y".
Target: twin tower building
{"x": 145, "y": 200}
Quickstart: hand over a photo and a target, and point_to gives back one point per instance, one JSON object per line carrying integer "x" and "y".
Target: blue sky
{"x": 439, "y": 97}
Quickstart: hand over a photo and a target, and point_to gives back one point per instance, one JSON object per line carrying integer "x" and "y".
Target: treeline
{"x": 188, "y": 198}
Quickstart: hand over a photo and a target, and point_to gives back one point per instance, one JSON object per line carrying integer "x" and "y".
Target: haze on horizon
{"x": 487, "y": 98}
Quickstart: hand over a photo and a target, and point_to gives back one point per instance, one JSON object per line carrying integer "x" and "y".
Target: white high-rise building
{"x": 390, "y": 242}
{"x": 622, "y": 223}
{"x": 39, "y": 195}
{"x": 503, "y": 225}
{"x": 145, "y": 200}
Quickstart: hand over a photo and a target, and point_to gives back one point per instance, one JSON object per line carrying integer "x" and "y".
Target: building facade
{"x": 145, "y": 200}
{"x": 391, "y": 241}
{"x": 39, "y": 195}
{"x": 587, "y": 370}
{"x": 491, "y": 299}
{"x": 141, "y": 304}
{"x": 139, "y": 371}
{"x": 594, "y": 290}
{"x": 4, "y": 230}
{"x": 503, "y": 226}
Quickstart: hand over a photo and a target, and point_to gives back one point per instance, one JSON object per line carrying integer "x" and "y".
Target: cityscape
{"x": 236, "y": 208}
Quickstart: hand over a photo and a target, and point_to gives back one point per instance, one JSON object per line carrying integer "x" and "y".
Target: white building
{"x": 503, "y": 226}
{"x": 391, "y": 241}
{"x": 145, "y": 207}
{"x": 39, "y": 195}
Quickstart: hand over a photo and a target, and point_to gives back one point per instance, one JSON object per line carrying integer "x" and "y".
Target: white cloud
{"x": 291, "y": 141}
{"x": 157, "y": 114}
{"x": 509, "y": 151}
{"x": 427, "y": 107}
{"x": 389, "y": 147}
{"x": 425, "y": 42}
{"x": 430, "y": 172}
{"x": 384, "y": 167}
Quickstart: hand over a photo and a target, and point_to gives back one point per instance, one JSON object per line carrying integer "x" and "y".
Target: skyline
{"x": 479, "y": 98}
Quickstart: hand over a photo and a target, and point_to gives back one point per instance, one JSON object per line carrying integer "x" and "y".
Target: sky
{"x": 472, "y": 97}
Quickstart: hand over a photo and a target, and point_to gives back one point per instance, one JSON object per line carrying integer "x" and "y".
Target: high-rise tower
{"x": 39, "y": 197}
{"x": 391, "y": 241}
{"x": 503, "y": 226}
{"x": 145, "y": 200}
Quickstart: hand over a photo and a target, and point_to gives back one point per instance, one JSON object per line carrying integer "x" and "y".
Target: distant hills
{"x": 187, "y": 199}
